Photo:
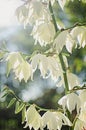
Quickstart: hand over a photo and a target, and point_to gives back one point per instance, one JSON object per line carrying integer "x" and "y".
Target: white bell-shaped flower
{"x": 44, "y": 33}
{"x": 13, "y": 60}
{"x": 79, "y": 34}
{"x": 32, "y": 12}
{"x": 23, "y": 71}
{"x": 33, "y": 118}
{"x": 64, "y": 39}
{"x": 55, "y": 120}
{"x": 20, "y": 67}
{"x": 48, "y": 66}
{"x": 70, "y": 102}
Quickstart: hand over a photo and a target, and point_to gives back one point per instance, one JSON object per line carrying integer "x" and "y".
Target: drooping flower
{"x": 64, "y": 39}
{"x": 32, "y": 12}
{"x": 20, "y": 67}
{"x": 23, "y": 71}
{"x": 73, "y": 80}
{"x": 13, "y": 60}
{"x": 79, "y": 34}
{"x": 33, "y": 118}
{"x": 55, "y": 120}
{"x": 70, "y": 102}
{"x": 44, "y": 33}
{"x": 48, "y": 66}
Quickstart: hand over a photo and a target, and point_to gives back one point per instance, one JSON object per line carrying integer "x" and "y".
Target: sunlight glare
{"x": 7, "y": 12}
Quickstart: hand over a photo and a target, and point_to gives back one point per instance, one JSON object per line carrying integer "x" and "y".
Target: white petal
{"x": 60, "y": 41}
{"x": 33, "y": 119}
{"x": 73, "y": 80}
{"x": 62, "y": 3}
{"x": 70, "y": 101}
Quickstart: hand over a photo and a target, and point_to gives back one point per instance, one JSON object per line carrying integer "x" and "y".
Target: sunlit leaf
{"x": 4, "y": 95}
{"x": 2, "y": 54}
{"x": 19, "y": 107}
{"x": 5, "y": 88}
{"x": 11, "y": 102}
{"x": 23, "y": 114}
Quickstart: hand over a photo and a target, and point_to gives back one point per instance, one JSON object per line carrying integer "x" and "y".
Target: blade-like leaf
{"x": 2, "y": 54}
{"x": 4, "y": 95}
{"x": 5, "y": 88}
{"x": 16, "y": 107}
{"x": 19, "y": 107}
{"x": 11, "y": 102}
{"x": 23, "y": 114}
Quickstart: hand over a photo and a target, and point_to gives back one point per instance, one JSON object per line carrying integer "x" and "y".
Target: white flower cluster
{"x": 49, "y": 66}
{"x": 37, "y": 13}
{"x": 53, "y": 120}
{"x": 73, "y": 39}
{"x": 73, "y": 101}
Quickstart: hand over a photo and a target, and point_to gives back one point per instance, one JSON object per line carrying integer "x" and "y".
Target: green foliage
{"x": 23, "y": 114}
{"x": 19, "y": 106}
{"x": 12, "y": 101}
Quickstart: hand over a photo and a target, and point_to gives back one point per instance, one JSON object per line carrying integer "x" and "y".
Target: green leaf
{"x": 5, "y": 89}
{"x": 2, "y": 54}
{"x": 23, "y": 114}
{"x": 11, "y": 102}
{"x": 4, "y": 95}
{"x": 19, "y": 107}
{"x": 16, "y": 107}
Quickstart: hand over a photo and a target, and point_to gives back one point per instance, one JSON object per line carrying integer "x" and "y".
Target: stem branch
{"x": 60, "y": 55}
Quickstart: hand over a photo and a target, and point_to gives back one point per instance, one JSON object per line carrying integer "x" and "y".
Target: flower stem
{"x": 64, "y": 73}
{"x": 61, "y": 58}
{"x": 53, "y": 17}
{"x": 60, "y": 55}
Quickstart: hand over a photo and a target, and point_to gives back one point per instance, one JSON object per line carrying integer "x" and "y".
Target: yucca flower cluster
{"x": 52, "y": 63}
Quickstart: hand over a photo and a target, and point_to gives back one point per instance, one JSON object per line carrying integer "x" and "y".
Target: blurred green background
{"x": 40, "y": 91}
